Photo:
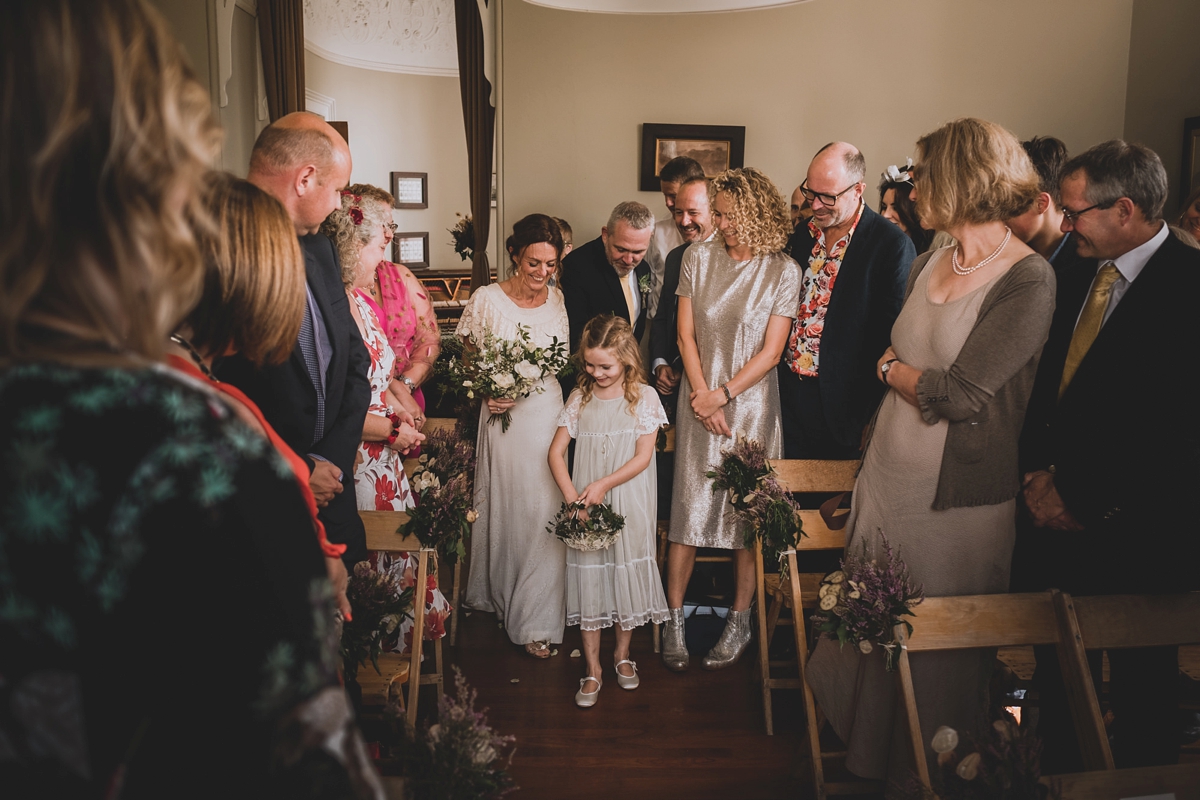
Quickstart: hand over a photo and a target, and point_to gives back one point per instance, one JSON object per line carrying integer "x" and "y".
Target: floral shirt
{"x": 803, "y": 353}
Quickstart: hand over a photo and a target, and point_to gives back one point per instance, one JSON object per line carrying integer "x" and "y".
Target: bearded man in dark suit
{"x": 1111, "y": 444}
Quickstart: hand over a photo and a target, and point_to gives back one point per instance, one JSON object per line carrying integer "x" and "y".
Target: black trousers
{"x": 805, "y": 432}
{"x": 1143, "y": 692}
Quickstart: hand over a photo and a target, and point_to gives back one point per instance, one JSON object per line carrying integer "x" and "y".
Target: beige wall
{"x": 575, "y": 87}
{"x": 1164, "y": 81}
{"x": 404, "y": 123}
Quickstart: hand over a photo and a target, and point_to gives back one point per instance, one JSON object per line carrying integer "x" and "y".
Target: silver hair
{"x": 633, "y": 214}
{"x": 1116, "y": 169}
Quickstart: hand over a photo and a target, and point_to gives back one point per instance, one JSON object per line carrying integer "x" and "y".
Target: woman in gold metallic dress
{"x": 737, "y": 298}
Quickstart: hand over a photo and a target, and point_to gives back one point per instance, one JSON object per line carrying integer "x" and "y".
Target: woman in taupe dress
{"x": 737, "y": 298}
{"x": 939, "y": 475}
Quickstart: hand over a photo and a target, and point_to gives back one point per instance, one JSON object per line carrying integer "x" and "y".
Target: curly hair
{"x": 106, "y": 131}
{"x": 365, "y": 208}
{"x": 608, "y": 332}
{"x": 758, "y": 211}
{"x": 973, "y": 171}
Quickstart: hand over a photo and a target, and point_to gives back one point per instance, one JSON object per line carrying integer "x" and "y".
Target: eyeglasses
{"x": 1071, "y": 216}
{"x": 391, "y": 226}
{"x": 825, "y": 198}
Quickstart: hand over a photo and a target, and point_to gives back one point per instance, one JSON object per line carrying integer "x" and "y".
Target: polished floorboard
{"x": 692, "y": 735}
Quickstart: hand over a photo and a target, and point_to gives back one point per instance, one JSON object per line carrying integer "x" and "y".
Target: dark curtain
{"x": 281, "y": 32}
{"x": 480, "y": 119}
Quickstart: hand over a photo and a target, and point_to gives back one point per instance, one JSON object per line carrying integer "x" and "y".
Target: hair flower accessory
{"x": 356, "y": 215}
{"x": 894, "y": 174}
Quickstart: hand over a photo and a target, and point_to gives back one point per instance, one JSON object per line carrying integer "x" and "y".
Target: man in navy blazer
{"x": 317, "y": 399}
{"x": 855, "y": 266}
{"x": 609, "y": 275}
{"x": 1111, "y": 445}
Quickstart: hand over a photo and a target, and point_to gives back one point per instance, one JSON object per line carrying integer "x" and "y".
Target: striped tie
{"x": 308, "y": 346}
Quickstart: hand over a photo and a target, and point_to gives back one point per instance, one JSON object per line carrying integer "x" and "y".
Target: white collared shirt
{"x": 1130, "y": 265}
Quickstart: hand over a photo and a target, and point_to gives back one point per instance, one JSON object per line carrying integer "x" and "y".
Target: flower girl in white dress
{"x": 615, "y": 417}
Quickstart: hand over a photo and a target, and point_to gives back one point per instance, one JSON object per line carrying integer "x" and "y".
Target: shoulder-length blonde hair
{"x": 254, "y": 296}
{"x": 364, "y": 209}
{"x": 757, "y": 209}
{"x": 107, "y": 136}
{"x": 972, "y": 171}
{"x": 609, "y": 332}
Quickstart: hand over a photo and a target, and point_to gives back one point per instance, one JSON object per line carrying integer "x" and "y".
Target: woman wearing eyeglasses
{"x": 939, "y": 476}
{"x": 405, "y": 311}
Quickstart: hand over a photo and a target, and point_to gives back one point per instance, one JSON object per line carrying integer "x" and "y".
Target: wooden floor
{"x": 692, "y": 735}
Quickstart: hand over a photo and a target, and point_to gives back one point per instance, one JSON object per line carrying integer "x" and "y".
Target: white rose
{"x": 504, "y": 381}
{"x": 528, "y": 371}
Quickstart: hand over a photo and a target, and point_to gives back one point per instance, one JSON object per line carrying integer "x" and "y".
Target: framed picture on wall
{"x": 716, "y": 147}
{"x": 411, "y": 249}
{"x": 1190, "y": 179}
{"x": 411, "y": 189}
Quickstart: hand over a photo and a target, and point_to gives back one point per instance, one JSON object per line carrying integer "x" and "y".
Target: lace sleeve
{"x": 650, "y": 413}
{"x": 472, "y": 322}
{"x": 569, "y": 417}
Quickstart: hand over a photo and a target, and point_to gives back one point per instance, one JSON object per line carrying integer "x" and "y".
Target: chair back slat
{"x": 801, "y": 475}
{"x": 439, "y": 424}
{"x": 990, "y": 620}
{"x": 817, "y": 535}
{"x": 1118, "y": 621}
{"x": 383, "y": 532}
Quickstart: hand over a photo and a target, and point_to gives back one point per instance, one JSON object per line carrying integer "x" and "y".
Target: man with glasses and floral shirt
{"x": 856, "y": 267}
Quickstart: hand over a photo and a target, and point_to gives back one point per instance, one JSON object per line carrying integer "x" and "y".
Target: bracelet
{"x": 725, "y": 389}
{"x": 409, "y": 382}
{"x": 393, "y": 418}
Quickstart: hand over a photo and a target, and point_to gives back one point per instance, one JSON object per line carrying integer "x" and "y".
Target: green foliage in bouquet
{"x": 443, "y": 482}
{"x": 597, "y": 529}
{"x": 379, "y": 607}
{"x": 758, "y": 498}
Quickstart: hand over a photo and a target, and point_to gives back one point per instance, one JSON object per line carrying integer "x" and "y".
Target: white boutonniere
{"x": 644, "y": 284}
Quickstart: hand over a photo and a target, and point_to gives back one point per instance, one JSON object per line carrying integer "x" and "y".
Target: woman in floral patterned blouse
{"x": 165, "y": 622}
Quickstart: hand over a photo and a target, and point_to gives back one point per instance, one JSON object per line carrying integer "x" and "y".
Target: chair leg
{"x": 811, "y": 712}
{"x": 439, "y": 665}
{"x": 418, "y": 634}
{"x": 764, "y": 642}
{"x": 455, "y": 601}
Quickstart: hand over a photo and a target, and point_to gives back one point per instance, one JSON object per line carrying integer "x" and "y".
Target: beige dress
{"x": 958, "y": 551}
{"x": 732, "y": 301}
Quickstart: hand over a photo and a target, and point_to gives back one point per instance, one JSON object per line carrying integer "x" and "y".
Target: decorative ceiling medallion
{"x": 414, "y": 36}
{"x": 663, "y": 6}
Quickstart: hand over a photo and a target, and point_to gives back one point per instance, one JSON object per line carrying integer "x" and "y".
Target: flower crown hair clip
{"x": 356, "y": 213}
{"x": 895, "y": 174}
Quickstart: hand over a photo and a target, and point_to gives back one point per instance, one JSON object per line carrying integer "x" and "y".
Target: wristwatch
{"x": 409, "y": 382}
{"x": 886, "y": 368}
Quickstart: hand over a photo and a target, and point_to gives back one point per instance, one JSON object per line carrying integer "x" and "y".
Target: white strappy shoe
{"x": 629, "y": 682}
{"x": 587, "y": 699}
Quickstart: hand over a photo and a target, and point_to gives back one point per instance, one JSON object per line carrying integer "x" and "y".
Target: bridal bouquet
{"x": 864, "y": 601}
{"x": 509, "y": 369}
{"x": 758, "y": 498}
{"x": 597, "y": 529}
{"x": 443, "y": 482}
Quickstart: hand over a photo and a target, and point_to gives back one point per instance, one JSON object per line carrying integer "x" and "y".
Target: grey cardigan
{"x": 985, "y": 391}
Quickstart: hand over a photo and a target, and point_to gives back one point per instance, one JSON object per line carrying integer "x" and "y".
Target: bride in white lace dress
{"x": 517, "y": 567}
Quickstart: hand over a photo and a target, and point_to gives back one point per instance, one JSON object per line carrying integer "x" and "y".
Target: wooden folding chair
{"x": 997, "y": 620}
{"x": 383, "y": 536}
{"x": 1117, "y": 622}
{"x": 445, "y": 424}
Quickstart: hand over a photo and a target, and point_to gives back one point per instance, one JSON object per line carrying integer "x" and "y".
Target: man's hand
{"x": 325, "y": 482}
{"x": 666, "y": 379}
{"x": 1045, "y": 505}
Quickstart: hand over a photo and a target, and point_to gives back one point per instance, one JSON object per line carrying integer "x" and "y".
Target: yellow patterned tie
{"x": 628, "y": 290}
{"x": 1089, "y": 323}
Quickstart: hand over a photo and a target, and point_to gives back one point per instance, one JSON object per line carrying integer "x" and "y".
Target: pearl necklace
{"x": 959, "y": 269}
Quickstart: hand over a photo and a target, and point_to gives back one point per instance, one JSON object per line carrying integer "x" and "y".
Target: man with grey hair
{"x": 855, "y": 269}
{"x": 608, "y": 275}
{"x": 1110, "y": 452}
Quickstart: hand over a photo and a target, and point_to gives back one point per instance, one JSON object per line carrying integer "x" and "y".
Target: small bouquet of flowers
{"x": 443, "y": 482}
{"x": 864, "y": 601}
{"x": 509, "y": 369}
{"x": 758, "y": 498}
{"x": 462, "y": 237}
{"x": 379, "y": 608}
{"x": 1004, "y": 763}
{"x": 596, "y": 529}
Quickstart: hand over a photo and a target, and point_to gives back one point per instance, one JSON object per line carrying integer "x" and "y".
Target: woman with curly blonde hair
{"x": 737, "y": 298}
